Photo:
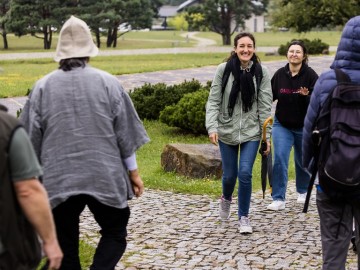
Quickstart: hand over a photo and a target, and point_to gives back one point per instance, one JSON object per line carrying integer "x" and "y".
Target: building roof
{"x": 168, "y": 11}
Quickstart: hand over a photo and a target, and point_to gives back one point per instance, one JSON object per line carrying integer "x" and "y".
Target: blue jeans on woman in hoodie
{"x": 283, "y": 140}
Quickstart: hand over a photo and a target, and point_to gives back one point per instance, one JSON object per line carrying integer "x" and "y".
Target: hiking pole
{"x": 316, "y": 140}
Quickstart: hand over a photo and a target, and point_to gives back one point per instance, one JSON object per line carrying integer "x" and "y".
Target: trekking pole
{"x": 316, "y": 140}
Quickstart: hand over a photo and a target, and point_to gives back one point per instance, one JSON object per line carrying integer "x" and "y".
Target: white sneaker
{"x": 276, "y": 205}
{"x": 301, "y": 198}
{"x": 244, "y": 225}
{"x": 224, "y": 208}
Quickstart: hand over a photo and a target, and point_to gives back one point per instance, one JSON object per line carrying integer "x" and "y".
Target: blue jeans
{"x": 283, "y": 139}
{"x": 231, "y": 171}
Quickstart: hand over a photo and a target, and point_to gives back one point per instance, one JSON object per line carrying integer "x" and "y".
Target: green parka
{"x": 241, "y": 127}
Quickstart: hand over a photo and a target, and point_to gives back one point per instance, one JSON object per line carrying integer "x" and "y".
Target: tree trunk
{"x": 97, "y": 36}
{"x": 109, "y": 39}
{"x": 47, "y": 37}
{"x": 50, "y": 38}
{"x": 6, "y": 46}
{"x": 226, "y": 38}
{"x": 115, "y": 37}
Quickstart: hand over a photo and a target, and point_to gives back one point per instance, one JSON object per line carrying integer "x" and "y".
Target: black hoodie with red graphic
{"x": 291, "y": 106}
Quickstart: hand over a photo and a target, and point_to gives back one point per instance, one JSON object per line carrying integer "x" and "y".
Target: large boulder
{"x": 192, "y": 160}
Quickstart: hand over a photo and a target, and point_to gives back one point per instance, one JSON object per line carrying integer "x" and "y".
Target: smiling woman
{"x": 234, "y": 112}
{"x": 292, "y": 86}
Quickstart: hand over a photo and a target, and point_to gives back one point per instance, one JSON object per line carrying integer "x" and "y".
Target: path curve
{"x": 201, "y": 42}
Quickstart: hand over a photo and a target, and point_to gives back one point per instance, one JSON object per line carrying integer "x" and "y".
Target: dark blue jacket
{"x": 347, "y": 58}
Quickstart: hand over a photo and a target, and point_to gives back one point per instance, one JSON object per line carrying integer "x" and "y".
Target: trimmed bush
{"x": 315, "y": 46}
{"x": 188, "y": 113}
{"x": 149, "y": 100}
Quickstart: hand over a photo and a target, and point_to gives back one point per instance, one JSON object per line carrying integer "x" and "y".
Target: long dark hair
{"x": 71, "y": 63}
{"x": 302, "y": 45}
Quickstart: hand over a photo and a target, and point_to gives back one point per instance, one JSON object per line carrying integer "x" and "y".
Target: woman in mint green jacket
{"x": 234, "y": 119}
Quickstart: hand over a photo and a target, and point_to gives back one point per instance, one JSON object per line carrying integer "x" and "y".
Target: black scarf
{"x": 243, "y": 83}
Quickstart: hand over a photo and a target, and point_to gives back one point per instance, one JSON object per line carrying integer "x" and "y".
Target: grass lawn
{"x": 131, "y": 40}
{"x": 274, "y": 39}
{"x": 17, "y": 76}
{"x": 168, "y": 39}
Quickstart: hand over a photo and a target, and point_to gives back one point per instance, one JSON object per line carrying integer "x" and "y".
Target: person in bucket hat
{"x": 85, "y": 131}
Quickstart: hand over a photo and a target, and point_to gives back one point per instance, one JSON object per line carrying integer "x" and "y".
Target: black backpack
{"x": 21, "y": 246}
{"x": 336, "y": 139}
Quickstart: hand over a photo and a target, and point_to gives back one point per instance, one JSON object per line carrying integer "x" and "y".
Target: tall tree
{"x": 226, "y": 16}
{"x": 4, "y": 8}
{"x": 137, "y": 13}
{"x": 310, "y": 14}
{"x": 93, "y": 13}
{"x": 35, "y": 18}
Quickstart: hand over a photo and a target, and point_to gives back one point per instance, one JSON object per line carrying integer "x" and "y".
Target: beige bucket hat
{"x": 75, "y": 41}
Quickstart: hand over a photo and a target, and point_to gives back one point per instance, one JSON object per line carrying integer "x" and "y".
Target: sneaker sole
{"x": 300, "y": 202}
{"x": 276, "y": 209}
{"x": 224, "y": 218}
{"x": 246, "y": 231}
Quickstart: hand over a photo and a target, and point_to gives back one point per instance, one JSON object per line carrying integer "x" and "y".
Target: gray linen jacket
{"x": 82, "y": 125}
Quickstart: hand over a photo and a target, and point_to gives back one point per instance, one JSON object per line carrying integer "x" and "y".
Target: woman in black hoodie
{"x": 292, "y": 86}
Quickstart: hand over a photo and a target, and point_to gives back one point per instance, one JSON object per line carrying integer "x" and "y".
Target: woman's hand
{"x": 304, "y": 91}
{"x": 268, "y": 148}
{"x": 213, "y": 137}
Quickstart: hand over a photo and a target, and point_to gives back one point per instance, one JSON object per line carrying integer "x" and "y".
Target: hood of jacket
{"x": 348, "y": 51}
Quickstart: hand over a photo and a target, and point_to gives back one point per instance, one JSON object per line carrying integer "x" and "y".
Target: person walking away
{"x": 336, "y": 216}
{"x": 292, "y": 86}
{"x": 19, "y": 165}
{"x": 85, "y": 131}
{"x": 235, "y": 112}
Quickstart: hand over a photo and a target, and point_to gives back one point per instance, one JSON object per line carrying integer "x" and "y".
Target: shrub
{"x": 315, "y": 46}
{"x": 149, "y": 100}
{"x": 188, "y": 113}
{"x": 143, "y": 99}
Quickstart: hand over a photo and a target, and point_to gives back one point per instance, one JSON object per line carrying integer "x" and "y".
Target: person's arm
{"x": 310, "y": 118}
{"x": 265, "y": 100}
{"x": 33, "y": 200}
{"x": 31, "y": 195}
{"x": 137, "y": 183}
{"x": 213, "y": 104}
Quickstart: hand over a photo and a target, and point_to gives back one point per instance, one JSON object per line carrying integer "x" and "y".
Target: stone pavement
{"x": 176, "y": 231}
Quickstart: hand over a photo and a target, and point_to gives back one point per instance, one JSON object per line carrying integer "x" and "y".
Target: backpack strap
{"x": 341, "y": 76}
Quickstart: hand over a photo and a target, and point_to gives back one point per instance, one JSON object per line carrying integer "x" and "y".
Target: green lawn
{"x": 131, "y": 40}
{"x": 17, "y": 76}
{"x": 168, "y": 39}
{"x": 274, "y": 39}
